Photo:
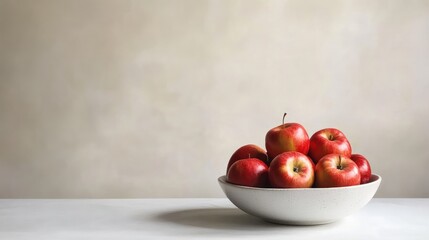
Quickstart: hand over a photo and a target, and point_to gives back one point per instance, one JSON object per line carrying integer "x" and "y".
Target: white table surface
{"x": 198, "y": 219}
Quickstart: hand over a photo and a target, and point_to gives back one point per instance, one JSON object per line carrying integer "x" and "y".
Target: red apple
{"x": 335, "y": 170}
{"x": 327, "y": 141}
{"x": 287, "y": 137}
{"x": 364, "y": 167}
{"x": 250, "y": 172}
{"x": 246, "y": 152}
{"x": 291, "y": 170}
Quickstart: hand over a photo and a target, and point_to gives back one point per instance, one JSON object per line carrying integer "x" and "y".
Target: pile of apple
{"x": 293, "y": 160}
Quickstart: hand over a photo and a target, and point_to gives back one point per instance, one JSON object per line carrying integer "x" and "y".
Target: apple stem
{"x": 283, "y": 122}
{"x": 339, "y": 165}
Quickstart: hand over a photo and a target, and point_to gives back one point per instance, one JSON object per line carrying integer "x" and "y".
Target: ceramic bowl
{"x": 301, "y": 206}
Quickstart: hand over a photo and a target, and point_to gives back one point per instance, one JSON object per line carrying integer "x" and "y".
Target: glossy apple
{"x": 327, "y": 141}
{"x": 250, "y": 172}
{"x": 364, "y": 167}
{"x": 248, "y": 151}
{"x": 291, "y": 170}
{"x": 335, "y": 170}
{"x": 286, "y": 138}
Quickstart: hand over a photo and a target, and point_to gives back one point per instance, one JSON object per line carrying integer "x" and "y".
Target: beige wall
{"x": 150, "y": 98}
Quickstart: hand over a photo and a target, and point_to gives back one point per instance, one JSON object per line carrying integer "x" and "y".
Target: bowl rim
{"x": 377, "y": 179}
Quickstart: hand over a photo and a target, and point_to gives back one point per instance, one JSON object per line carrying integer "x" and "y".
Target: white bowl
{"x": 301, "y": 206}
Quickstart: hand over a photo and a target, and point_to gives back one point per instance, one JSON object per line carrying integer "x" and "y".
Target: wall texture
{"x": 150, "y": 98}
